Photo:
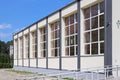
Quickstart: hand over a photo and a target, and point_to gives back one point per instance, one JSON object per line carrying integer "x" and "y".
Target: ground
{"x": 9, "y": 74}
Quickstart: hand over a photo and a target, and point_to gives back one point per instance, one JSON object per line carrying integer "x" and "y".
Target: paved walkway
{"x": 6, "y": 74}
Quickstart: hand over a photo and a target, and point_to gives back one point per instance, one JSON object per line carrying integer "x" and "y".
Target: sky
{"x": 16, "y": 15}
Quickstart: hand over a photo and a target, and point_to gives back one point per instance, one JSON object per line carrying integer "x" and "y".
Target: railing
{"x": 101, "y": 73}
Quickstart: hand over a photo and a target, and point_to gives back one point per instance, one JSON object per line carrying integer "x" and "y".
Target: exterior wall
{"x": 92, "y": 61}
{"x": 32, "y": 62}
{"x": 42, "y": 63}
{"x": 15, "y": 62}
{"x": 115, "y": 32}
{"x": 86, "y": 3}
{"x": 20, "y": 62}
{"x": 68, "y": 62}
{"x": 53, "y": 17}
{"x": 53, "y": 63}
{"x": 69, "y": 10}
{"x": 26, "y": 62}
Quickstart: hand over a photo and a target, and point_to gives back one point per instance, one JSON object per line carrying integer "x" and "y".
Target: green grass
{"x": 68, "y": 79}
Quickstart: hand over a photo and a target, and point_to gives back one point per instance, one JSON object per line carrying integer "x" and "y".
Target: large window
{"x": 34, "y": 44}
{"x": 21, "y": 47}
{"x": 26, "y": 46}
{"x": 94, "y": 29}
{"x": 43, "y": 42}
{"x": 71, "y": 35}
{"x": 15, "y": 48}
{"x": 55, "y": 39}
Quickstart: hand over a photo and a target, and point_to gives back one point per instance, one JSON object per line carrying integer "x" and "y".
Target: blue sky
{"x": 18, "y": 14}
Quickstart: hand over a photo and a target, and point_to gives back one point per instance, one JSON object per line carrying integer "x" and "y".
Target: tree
{"x": 2, "y": 47}
{"x": 5, "y": 58}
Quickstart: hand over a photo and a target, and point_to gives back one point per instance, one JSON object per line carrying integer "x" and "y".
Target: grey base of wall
{"x": 41, "y": 70}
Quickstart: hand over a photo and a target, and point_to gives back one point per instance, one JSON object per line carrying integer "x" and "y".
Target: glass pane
{"x": 44, "y": 45}
{"x": 101, "y": 20}
{"x": 95, "y": 35}
{"x": 56, "y": 25}
{"x": 87, "y": 12}
{"x": 55, "y": 43}
{"x": 56, "y": 52}
{"x": 76, "y": 39}
{"x": 52, "y": 27}
{"x": 76, "y": 28}
{"x": 35, "y": 54}
{"x": 67, "y": 51}
{"x": 94, "y": 22}
{"x": 41, "y": 45}
{"x": 94, "y": 10}
{"x": 76, "y": 17}
{"x": 57, "y": 33}
{"x": 72, "y": 51}
{"x": 87, "y": 24}
{"x": 52, "y": 44}
{"x": 101, "y": 48}
{"x": 71, "y": 19}
{"x": 71, "y": 40}
{"x": 101, "y": 7}
{"x": 44, "y": 30}
{"x": 72, "y": 29}
{"x": 95, "y": 48}
{"x": 87, "y": 37}
{"x": 76, "y": 50}
{"x": 52, "y": 35}
{"x": 67, "y": 41}
{"x": 44, "y": 53}
{"x": 87, "y": 49}
{"x": 53, "y": 52}
{"x": 44, "y": 37}
{"x": 101, "y": 34}
{"x": 67, "y": 31}
{"x": 66, "y": 21}
{"x": 58, "y": 43}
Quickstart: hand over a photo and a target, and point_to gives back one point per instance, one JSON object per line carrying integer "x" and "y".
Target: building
{"x": 83, "y": 34}
{"x": 11, "y": 50}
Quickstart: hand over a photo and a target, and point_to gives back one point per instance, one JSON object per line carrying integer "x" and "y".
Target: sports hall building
{"x": 83, "y": 34}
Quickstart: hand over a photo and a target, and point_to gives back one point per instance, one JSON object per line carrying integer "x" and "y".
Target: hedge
{"x": 5, "y": 65}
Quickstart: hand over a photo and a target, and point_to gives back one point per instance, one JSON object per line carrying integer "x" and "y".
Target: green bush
{"x": 5, "y": 60}
{"x": 5, "y": 65}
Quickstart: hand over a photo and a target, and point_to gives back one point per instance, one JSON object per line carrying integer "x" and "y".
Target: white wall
{"x": 115, "y": 32}
{"x": 32, "y": 62}
{"x": 15, "y": 62}
{"x": 90, "y": 61}
{"x": 20, "y": 62}
{"x": 26, "y": 62}
{"x": 42, "y": 63}
{"x": 69, "y": 63}
{"x": 69, "y": 10}
{"x": 53, "y": 63}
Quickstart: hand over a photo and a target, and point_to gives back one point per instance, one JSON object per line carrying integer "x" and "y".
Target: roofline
{"x": 46, "y": 17}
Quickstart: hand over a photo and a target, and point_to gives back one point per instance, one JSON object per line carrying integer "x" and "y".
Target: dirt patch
{"x": 8, "y": 74}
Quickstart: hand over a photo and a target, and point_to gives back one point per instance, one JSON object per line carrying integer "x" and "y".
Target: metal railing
{"x": 101, "y": 73}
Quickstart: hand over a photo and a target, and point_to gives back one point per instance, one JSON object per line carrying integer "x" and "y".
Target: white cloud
{"x": 5, "y": 26}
